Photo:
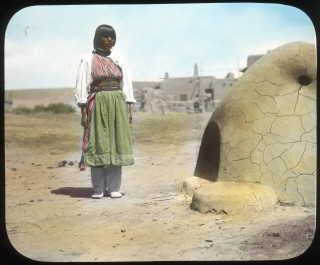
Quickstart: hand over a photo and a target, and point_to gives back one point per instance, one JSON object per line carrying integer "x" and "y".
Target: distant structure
{"x": 183, "y": 91}
{"x": 251, "y": 60}
{"x": 186, "y": 88}
{"x": 196, "y": 72}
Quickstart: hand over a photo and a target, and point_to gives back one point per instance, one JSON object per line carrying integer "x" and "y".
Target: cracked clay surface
{"x": 267, "y": 123}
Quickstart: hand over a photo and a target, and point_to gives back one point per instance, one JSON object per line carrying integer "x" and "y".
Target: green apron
{"x": 110, "y": 141}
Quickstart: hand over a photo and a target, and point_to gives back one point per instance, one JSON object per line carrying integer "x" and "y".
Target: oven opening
{"x": 209, "y": 153}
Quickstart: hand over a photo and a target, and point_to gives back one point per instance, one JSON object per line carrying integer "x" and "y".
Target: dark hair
{"x": 103, "y": 31}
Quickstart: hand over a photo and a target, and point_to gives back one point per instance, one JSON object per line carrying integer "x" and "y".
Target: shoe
{"x": 82, "y": 168}
{"x": 97, "y": 195}
{"x": 115, "y": 194}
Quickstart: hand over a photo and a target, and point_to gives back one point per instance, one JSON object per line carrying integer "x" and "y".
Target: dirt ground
{"x": 50, "y": 215}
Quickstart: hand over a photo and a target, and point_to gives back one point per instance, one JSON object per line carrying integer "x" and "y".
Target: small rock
{"x": 274, "y": 234}
{"x": 31, "y": 200}
{"x": 62, "y": 163}
{"x": 123, "y": 230}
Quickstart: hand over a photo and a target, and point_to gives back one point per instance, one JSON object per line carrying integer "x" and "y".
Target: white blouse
{"x": 84, "y": 79}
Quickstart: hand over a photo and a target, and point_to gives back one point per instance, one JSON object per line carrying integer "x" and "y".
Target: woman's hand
{"x": 84, "y": 121}
{"x": 84, "y": 117}
{"x": 129, "y": 112}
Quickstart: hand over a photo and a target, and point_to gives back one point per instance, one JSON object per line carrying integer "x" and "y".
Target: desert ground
{"x": 50, "y": 215}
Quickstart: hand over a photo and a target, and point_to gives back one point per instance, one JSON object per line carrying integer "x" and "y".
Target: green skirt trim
{"x": 109, "y": 141}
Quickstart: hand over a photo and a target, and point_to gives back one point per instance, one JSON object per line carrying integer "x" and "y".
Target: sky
{"x": 44, "y": 44}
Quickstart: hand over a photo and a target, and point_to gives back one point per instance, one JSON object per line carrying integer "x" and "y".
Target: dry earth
{"x": 50, "y": 215}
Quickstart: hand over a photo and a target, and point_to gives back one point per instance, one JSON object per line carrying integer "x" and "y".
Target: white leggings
{"x": 106, "y": 178}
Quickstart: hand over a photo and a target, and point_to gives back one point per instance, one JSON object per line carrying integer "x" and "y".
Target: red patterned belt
{"x": 105, "y": 85}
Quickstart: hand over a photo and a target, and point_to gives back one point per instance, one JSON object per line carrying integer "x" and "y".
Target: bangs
{"x": 103, "y": 31}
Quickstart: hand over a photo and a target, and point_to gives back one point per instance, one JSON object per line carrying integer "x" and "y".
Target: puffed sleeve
{"x": 82, "y": 83}
{"x": 127, "y": 85}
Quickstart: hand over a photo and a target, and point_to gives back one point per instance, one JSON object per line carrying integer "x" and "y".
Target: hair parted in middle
{"x": 103, "y": 31}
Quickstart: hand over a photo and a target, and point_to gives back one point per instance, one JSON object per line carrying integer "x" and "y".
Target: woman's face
{"x": 106, "y": 43}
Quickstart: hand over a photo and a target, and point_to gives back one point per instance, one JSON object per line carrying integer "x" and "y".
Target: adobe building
{"x": 251, "y": 60}
{"x": 180, "y": 93}
{"x": 188, "y": 88}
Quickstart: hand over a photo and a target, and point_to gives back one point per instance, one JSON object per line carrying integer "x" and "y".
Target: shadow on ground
{"x": 75, "y": 192}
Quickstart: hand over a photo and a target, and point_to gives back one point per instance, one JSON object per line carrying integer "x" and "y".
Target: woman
{"x": 104, "y": 93}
